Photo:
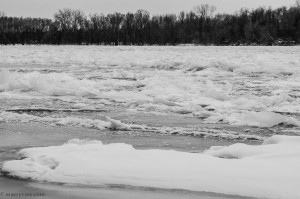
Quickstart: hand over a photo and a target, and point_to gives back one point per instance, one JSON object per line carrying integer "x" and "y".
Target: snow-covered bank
{"x": 266, "y": 171}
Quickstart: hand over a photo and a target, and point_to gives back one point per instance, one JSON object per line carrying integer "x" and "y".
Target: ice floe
{"x": 270, "y": 170}
{"x": 52, "y": 84}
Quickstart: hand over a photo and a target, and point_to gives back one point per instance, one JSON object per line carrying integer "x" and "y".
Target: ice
{"x": 214, "y": 94}
{"x": 269, "y": 170}
{"x": 261, "y": 119}
{"x": 117, "y": 125}
{"x": 54, "y": 84}
{"x": 229, "y": 83}
{"x": 214, "y": 133}
{"x": 73, "y": 121}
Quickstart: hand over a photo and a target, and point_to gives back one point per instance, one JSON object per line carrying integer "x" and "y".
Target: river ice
{"x": 234, "y": 85}
{"x": 253, "y": 92}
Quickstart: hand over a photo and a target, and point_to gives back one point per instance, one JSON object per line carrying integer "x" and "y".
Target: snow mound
{"x": 270, "y": 170}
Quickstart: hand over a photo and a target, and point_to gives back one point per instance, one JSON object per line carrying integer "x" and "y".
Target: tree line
{"x": 261, "y": 26}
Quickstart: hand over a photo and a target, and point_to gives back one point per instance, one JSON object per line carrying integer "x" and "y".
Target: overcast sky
{"x": 46, "y": 8}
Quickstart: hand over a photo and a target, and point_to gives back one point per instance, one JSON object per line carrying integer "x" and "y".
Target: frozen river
{"x": 184, "y": 99}
{"x": 231, "y": 85}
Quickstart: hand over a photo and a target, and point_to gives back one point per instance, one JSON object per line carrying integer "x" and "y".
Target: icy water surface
{"x": 233, "y": 85}
{"x": 171, "y": 98}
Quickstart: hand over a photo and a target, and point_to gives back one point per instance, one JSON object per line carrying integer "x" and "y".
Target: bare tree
{"x": 78, "y": 19}
{"x": 64, "y": 19}
{"x": 69, "y": 19}
{"x": 2, "y": 14}
{"x": 205, "y": 10}
{"x": 116, "y": 21}
{"x": 200, "y": 26}
{"x": 96, "y": 21}
{"x": 181, "y": 17}
{"x": 141, "y": 18}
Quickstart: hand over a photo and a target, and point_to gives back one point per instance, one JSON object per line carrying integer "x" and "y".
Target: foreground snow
{"x": 270, "y": 170}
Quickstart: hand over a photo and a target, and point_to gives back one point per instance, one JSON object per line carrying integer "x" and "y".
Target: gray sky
{"x": 46, "y": 8}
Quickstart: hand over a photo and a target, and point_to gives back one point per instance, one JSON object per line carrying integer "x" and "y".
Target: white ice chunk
{"x": 264, "y": 119}
{"x": 270, "y": 170}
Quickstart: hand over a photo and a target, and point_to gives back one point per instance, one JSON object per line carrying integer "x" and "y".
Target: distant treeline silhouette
{"x": 264, "y": 26}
